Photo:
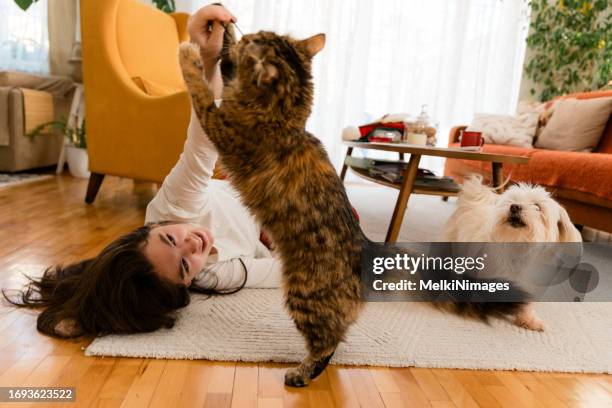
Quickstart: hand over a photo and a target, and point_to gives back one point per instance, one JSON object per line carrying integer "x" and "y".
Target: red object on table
{"x": 370, "y": 127}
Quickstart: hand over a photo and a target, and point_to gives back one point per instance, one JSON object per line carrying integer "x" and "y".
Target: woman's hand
{"x": 206, "y": 29}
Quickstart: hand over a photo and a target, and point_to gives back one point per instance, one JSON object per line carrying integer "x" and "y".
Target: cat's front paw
{"x": 294, "y": 377}
{"x": 189, "y": 59}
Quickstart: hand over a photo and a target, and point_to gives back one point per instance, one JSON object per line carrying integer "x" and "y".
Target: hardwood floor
{"x": 47, "y": 222}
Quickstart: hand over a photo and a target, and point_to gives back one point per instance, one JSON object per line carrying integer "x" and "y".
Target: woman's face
{"x": 178, "y": 252}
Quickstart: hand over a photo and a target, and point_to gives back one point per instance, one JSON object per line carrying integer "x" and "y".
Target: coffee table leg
{"x": 497, "y": 175}
{"x": 402, "y": 200}
{"x": 349, "y": 151}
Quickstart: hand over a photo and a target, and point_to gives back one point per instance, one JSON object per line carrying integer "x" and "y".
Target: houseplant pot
{"x": 78, "y": 161}
{"x": 75, "y": 146}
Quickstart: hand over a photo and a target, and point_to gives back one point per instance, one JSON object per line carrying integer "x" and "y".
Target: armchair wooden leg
{"x": 95, "y": 181}
{"x": 444, "y": 198}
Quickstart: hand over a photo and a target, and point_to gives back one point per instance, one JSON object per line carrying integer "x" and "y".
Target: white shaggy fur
{"x": 523, "y": 213}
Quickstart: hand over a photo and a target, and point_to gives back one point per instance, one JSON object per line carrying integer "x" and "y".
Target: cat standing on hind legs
{"x": 285, "y": 178}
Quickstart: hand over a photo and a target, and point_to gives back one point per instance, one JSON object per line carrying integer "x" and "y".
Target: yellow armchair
{"x": 135, "y": 98}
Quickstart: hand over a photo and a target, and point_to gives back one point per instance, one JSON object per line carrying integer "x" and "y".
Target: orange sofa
{"x": 581, "y": 182}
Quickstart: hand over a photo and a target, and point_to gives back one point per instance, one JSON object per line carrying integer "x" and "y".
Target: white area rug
{"x": 7, "y": 179}
{"x": 253, "y": 326}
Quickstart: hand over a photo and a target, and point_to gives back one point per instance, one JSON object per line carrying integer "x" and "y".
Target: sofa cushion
{"x": 516, "y": 130}
{"x": 585, "y": 172}
{"x": 576, "y": 125}
{"x": 154, "y": 89}
{"x": 605, "y": 144}
{"x": 59, "y": 86}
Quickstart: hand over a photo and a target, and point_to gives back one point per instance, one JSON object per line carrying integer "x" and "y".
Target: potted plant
{"x": 76, "y": 151}
{"x": 571, "y": 42}
{"x": 76, "y": 145}
{"x": 167, "y": 6}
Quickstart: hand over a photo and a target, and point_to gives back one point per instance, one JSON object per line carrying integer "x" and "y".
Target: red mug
{"x": 471, "y": 139}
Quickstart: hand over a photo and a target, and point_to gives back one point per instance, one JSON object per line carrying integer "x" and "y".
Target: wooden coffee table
{"x": 406, "y": 187}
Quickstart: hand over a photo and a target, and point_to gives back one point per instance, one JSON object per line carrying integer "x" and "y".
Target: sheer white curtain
{"x": 458, "y": 57}
{"x": 24, "y": 43}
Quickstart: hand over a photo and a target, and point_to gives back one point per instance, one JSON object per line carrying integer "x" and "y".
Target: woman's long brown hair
{"x": 115, "y": 292}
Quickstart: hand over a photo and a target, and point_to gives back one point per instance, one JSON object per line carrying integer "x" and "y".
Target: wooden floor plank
{"x": 341, "y": 387}
{"x": 429, "y": 384}
{"x": 17, "y": 373}
{"x": 89, "y": 385}
{"x": 118, "y": 382}
{"x": 172, "y": 380}
{"x": 480, "y": 394}
{"x": 503, "y": 396}
{"x": 443, "y": 404}
{"x": 271, "y": 381}
{"x": 245, "y": 386}
{"x": 455, "y": 390}
{"x": 517, "y": 388}
{"x": 142, "y": 388}
{"x": 320, "y": 399}
{"x": 384, "y": 380}
{"x": 392, "y": 399}
{"x": 411, "y": 393}
{"x": 365, "y": 388}
{"x": 296, "y": 397}
{"x": 222, "y": 378}
{"x": 195, "y": 386}
{"x": 47, "y": 371}
{"x": 542, "y": 394}
{"x": 268, "y": 402}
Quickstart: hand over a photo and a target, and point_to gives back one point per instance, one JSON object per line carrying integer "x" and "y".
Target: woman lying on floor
{"x": 198, "y": 237}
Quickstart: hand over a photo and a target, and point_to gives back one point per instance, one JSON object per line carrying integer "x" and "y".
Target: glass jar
{"x": 425, "y": 125}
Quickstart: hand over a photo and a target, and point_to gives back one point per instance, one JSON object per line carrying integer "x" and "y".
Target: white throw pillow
{"x": 516, "y": 130}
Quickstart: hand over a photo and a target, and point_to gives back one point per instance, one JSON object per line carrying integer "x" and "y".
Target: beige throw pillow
{"x": 576, "y": 125}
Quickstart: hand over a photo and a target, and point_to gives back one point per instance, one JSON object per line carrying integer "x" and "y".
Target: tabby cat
{"x": 285, "y": 178}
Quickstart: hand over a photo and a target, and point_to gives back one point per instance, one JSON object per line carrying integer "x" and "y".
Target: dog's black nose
{"x": 515, "y": 208}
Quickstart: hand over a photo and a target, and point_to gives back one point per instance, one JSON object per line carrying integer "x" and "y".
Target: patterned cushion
{"x": 516, "y": 130}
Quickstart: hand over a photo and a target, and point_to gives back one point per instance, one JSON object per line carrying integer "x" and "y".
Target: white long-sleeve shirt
{"x": 189, "y": 194}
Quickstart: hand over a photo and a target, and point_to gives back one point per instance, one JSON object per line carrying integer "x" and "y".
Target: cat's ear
{"x": 314, "y": 44}
{"x": 266, "y": 73}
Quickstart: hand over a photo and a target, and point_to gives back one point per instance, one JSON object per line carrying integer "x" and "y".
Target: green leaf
{"x": 167, "y": 6}
{"x": 24, "y": 4}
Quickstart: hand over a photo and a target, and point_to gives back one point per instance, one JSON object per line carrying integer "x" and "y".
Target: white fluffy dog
{"x": 523, "y": 213}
